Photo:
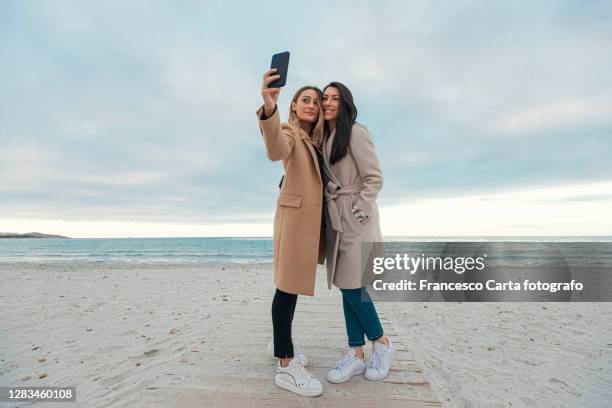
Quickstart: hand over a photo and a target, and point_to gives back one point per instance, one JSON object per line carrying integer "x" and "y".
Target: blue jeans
{"x": 360, "y": 317}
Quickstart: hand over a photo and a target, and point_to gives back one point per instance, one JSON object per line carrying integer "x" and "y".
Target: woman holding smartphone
{"x": 356, "y": 179}
{"x": 298, "y": 241}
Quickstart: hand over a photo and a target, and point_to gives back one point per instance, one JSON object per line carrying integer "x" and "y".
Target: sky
{"x": 137, "y": 118}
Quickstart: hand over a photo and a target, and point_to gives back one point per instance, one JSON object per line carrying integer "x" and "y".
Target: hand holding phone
{"x": 273, "y": 80}
{"x": 269, "y": 95}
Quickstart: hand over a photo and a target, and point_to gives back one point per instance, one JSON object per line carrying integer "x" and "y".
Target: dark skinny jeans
{"x": 283, "y": 308}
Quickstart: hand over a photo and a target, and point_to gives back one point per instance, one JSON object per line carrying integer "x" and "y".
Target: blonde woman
{"x": 298, "y": 241}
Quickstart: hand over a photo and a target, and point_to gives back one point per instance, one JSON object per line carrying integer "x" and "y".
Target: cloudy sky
{"x": 137, "y": 118}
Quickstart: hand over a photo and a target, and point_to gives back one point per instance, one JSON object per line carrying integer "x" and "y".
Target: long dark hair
{"x": 346, "y": 119}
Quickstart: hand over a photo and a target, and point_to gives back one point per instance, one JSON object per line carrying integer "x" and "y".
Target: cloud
{"x": 563, "y": 210}
{"x": 554, "y": 211}
{"x": 555, "y": 115}
{"x": 145, "y": 110}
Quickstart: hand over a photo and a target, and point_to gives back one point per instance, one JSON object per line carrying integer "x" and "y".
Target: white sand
{"x": 110, "y": 331}
{"x": 513, "y": 354}
{"x": 141, "y": 335}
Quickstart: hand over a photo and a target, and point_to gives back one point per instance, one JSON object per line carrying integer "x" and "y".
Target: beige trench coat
{"x": 356, "y": 180}
{"x": 298, "y": 242}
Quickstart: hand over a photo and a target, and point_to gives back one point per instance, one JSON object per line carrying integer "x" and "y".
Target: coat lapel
{"x": 313, "y": 154}
{"x": 327, "y": 144}
{"x": 333, "y": 241}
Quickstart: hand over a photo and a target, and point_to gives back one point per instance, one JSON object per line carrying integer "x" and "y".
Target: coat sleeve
{"x": 278, "y": 139}
{"x": 368, "y": 165}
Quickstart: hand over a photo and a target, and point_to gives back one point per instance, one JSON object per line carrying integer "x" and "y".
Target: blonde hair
{"x": 316, "y": 129}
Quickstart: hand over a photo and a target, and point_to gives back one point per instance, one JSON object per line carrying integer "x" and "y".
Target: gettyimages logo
{"x": 413, "y": 264}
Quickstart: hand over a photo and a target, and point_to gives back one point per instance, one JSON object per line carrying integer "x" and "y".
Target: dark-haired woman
{"x": 298, "y": 244}
{"x": 355, "y": 180}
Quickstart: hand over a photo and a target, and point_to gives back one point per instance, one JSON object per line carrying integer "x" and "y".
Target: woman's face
{"x": 331, "y": 103}
{"x": 307, "y": 107}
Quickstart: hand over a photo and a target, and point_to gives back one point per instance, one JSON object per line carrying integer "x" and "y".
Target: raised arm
{"x": 366, "y": 159}
{"x": 278, "y": 139}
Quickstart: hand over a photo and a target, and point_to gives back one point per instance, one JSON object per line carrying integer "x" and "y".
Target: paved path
{"x": 231, "y": 367}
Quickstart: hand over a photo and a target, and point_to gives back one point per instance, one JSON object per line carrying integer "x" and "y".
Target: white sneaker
{"x": 380, "y": 361}
{"x": 297, "y": 379}
{"x": 348, "y": 366}
{"x": 297, "y": 354}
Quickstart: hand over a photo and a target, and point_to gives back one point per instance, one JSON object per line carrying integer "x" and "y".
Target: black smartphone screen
{"x": 281, "y": 63}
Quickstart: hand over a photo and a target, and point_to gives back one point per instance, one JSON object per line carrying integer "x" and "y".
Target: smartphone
{"x": 281, "y": 63}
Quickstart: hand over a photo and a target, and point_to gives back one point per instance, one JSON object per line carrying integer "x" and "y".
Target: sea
{"x": 196, "y": 250}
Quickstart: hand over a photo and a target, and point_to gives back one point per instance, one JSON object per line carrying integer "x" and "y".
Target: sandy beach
{"x": 162, "y": 335}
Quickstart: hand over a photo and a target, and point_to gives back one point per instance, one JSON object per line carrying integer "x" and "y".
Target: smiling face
{"x": 307, "y": 106}
{"x": 331, "y": 104}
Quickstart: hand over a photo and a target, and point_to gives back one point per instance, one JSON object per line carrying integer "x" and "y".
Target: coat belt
{"x": 332, "y": 192}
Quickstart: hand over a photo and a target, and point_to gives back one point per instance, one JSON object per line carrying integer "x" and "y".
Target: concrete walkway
{"x": 232, "y": 367}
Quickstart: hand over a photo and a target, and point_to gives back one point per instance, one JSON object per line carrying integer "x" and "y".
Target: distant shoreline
{"x": 30, "y": 235}
{"x": 386, "y": 238}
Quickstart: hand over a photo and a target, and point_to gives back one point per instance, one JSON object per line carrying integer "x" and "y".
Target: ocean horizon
{"x": 198, "y": 250}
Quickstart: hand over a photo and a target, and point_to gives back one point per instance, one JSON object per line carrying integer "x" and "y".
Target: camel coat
{"x": 298, "y": 242}
{"x": 356, "y": 180}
